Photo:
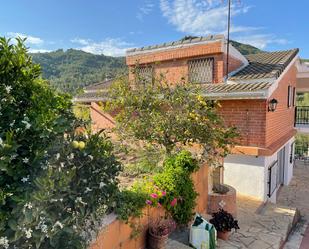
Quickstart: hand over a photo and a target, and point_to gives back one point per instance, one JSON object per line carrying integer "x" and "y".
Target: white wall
{"x": 246, "y": 174}
{"x": 249, "y": 174}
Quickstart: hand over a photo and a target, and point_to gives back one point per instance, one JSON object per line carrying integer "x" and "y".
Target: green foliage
{"x": 146, "y": 160}
{"x": 82, "y": 112}
{"x": 170, "y": 116}
{"x": 73, "y": 69}
{"x": 130, "y": 204}
{"x": 176, "y": 181}
{"x": 172, "y": 189}
{"x": 302, "y": 99}
{"x": 246, "y": 48}
{"x": 51, "y": 191}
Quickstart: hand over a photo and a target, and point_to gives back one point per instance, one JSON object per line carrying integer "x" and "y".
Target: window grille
{"x": 144, "y": 74}
{"x": 201, "y": 70}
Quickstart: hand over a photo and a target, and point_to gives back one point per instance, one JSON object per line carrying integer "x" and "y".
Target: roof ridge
{"x": 277, "y": 51}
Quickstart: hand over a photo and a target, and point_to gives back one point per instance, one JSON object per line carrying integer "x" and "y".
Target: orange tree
{"x": 170, "y": 116}
{"x": 53, "y": 181}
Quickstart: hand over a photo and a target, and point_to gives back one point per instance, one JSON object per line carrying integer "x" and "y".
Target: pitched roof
{"x": 236, "y": 90}
{"x": 184, "y": 41}
{"x": 99, "y": 86}
{"x": 267, "y": 65}
{"x": 88, "y": 97}
{"x": 94, "y": 92}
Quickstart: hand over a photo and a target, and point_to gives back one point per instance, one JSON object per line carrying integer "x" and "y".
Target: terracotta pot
{"x": 156, "y": 242}
{"x": 223, "y": 235}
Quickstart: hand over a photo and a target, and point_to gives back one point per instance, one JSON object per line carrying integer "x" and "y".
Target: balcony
{"x": 302, "y": 119}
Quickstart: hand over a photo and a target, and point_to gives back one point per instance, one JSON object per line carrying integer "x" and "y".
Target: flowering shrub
{"x": 53, "y": 183}
{"x": 173, "y": 189}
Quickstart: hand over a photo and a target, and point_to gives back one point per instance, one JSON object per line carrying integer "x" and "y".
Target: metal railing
{"x": 302, "y": 115}
{"x": 301, "y": 150}
{"x": 272, "y": 178}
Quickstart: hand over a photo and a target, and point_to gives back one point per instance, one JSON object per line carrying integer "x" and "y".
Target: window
{"x": 292, "y": 153}
{"x": 290, "y": 96}
{"x": 201, "y": 70}
{"x": 144, "y": 74}
{"x": 294, "y": 96}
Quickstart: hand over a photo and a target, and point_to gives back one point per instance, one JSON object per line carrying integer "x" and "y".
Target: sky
{"x": 112, "y": 27}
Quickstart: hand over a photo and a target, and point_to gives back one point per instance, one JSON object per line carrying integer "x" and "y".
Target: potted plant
{"x": 158, "y": 233}
{"x": 224, "y": 222}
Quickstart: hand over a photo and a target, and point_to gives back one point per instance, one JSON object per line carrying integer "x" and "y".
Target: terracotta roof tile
{"x": 265, "y": 65}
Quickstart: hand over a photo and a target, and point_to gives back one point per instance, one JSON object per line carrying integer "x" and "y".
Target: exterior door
{"x": 281, "y": 164}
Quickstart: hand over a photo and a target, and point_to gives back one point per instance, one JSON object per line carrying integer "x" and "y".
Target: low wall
{"x": 118, "y": 235}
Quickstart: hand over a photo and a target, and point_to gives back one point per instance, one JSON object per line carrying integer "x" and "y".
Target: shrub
{"x": 224, "y": 221}
{"x": 54, "y": 183}
{"x": 173, "y": 189}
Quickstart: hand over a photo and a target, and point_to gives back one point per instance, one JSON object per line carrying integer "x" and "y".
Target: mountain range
{"x": 73, "y": 69}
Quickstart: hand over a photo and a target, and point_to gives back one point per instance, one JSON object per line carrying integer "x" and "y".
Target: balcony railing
{"x": 302, "y": 115}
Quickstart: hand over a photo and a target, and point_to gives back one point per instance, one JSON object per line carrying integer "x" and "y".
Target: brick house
{"x": 257, "y": 96}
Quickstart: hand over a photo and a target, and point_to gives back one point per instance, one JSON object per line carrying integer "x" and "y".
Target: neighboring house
{"x": 257, "y": 96}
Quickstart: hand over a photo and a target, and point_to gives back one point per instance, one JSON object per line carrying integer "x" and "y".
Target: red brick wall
{"x": 249, "y": 116}
{"x": 117, "y": 235}
{"x": 176, "y": 70}
{"x": 176, "y": 53}
{"x": 281, "y": 122}
{"x": 100, "y": 120}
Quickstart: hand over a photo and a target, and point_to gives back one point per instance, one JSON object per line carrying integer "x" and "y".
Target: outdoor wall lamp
{"x": 272, "y": 105}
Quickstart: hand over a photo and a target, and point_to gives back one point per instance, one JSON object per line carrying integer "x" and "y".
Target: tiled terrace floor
{"x": 266, "y": 227}
{"x": 297, "y": 195}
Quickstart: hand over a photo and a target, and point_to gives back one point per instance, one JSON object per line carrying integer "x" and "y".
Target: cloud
{"x": 32, "y": 40}
{"x": 261, "y": 40}
{"x": 200, "y": 17}
{"x": 145, "y": 9}
{"x": 80, "y": 41}
{"x": 109, "y": 46}
{"x": 204, "y": 17}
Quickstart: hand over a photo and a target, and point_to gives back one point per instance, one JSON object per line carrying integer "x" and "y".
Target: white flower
{"x": 8, "y": 89}
{"x": 28, "y": 205}
{"x": 4, "y": 242}
{"x": 102, "y": 184}
{"x": 28, "y": 233}
{"x": 26, "y": 160}
{"x": 11, "y": 124}
{"x": 13, "y": 156}
{"x": 88, "y": 190}
{"x": 57, "y": 156}
{"x": 27, "y": 124}
{"x": 2, "y": 158}
{"x": 80, "y": 200}
{"x": 71, "y": 156}
{"x": 24, "y": 179}
{"x": 1, "y": 142}
{"x": 62, "y": 164}
{"x": 57, "y": 224}
{"x": 90, "y": 157}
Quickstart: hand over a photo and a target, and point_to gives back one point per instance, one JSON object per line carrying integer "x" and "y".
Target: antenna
{"x": 228, "y": 37}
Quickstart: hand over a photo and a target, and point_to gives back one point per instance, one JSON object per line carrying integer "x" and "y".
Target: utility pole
{"x": 228, "y": 38}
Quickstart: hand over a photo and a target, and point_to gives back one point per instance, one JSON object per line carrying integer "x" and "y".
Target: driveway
{"x": 297, "y": 195}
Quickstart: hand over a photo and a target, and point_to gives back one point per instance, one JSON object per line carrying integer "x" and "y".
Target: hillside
{"x": 245, "y": 48}
{"x": 73, "y": 69}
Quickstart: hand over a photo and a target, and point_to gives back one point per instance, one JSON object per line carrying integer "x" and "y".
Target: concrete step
{"x": 267, "y": 229}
